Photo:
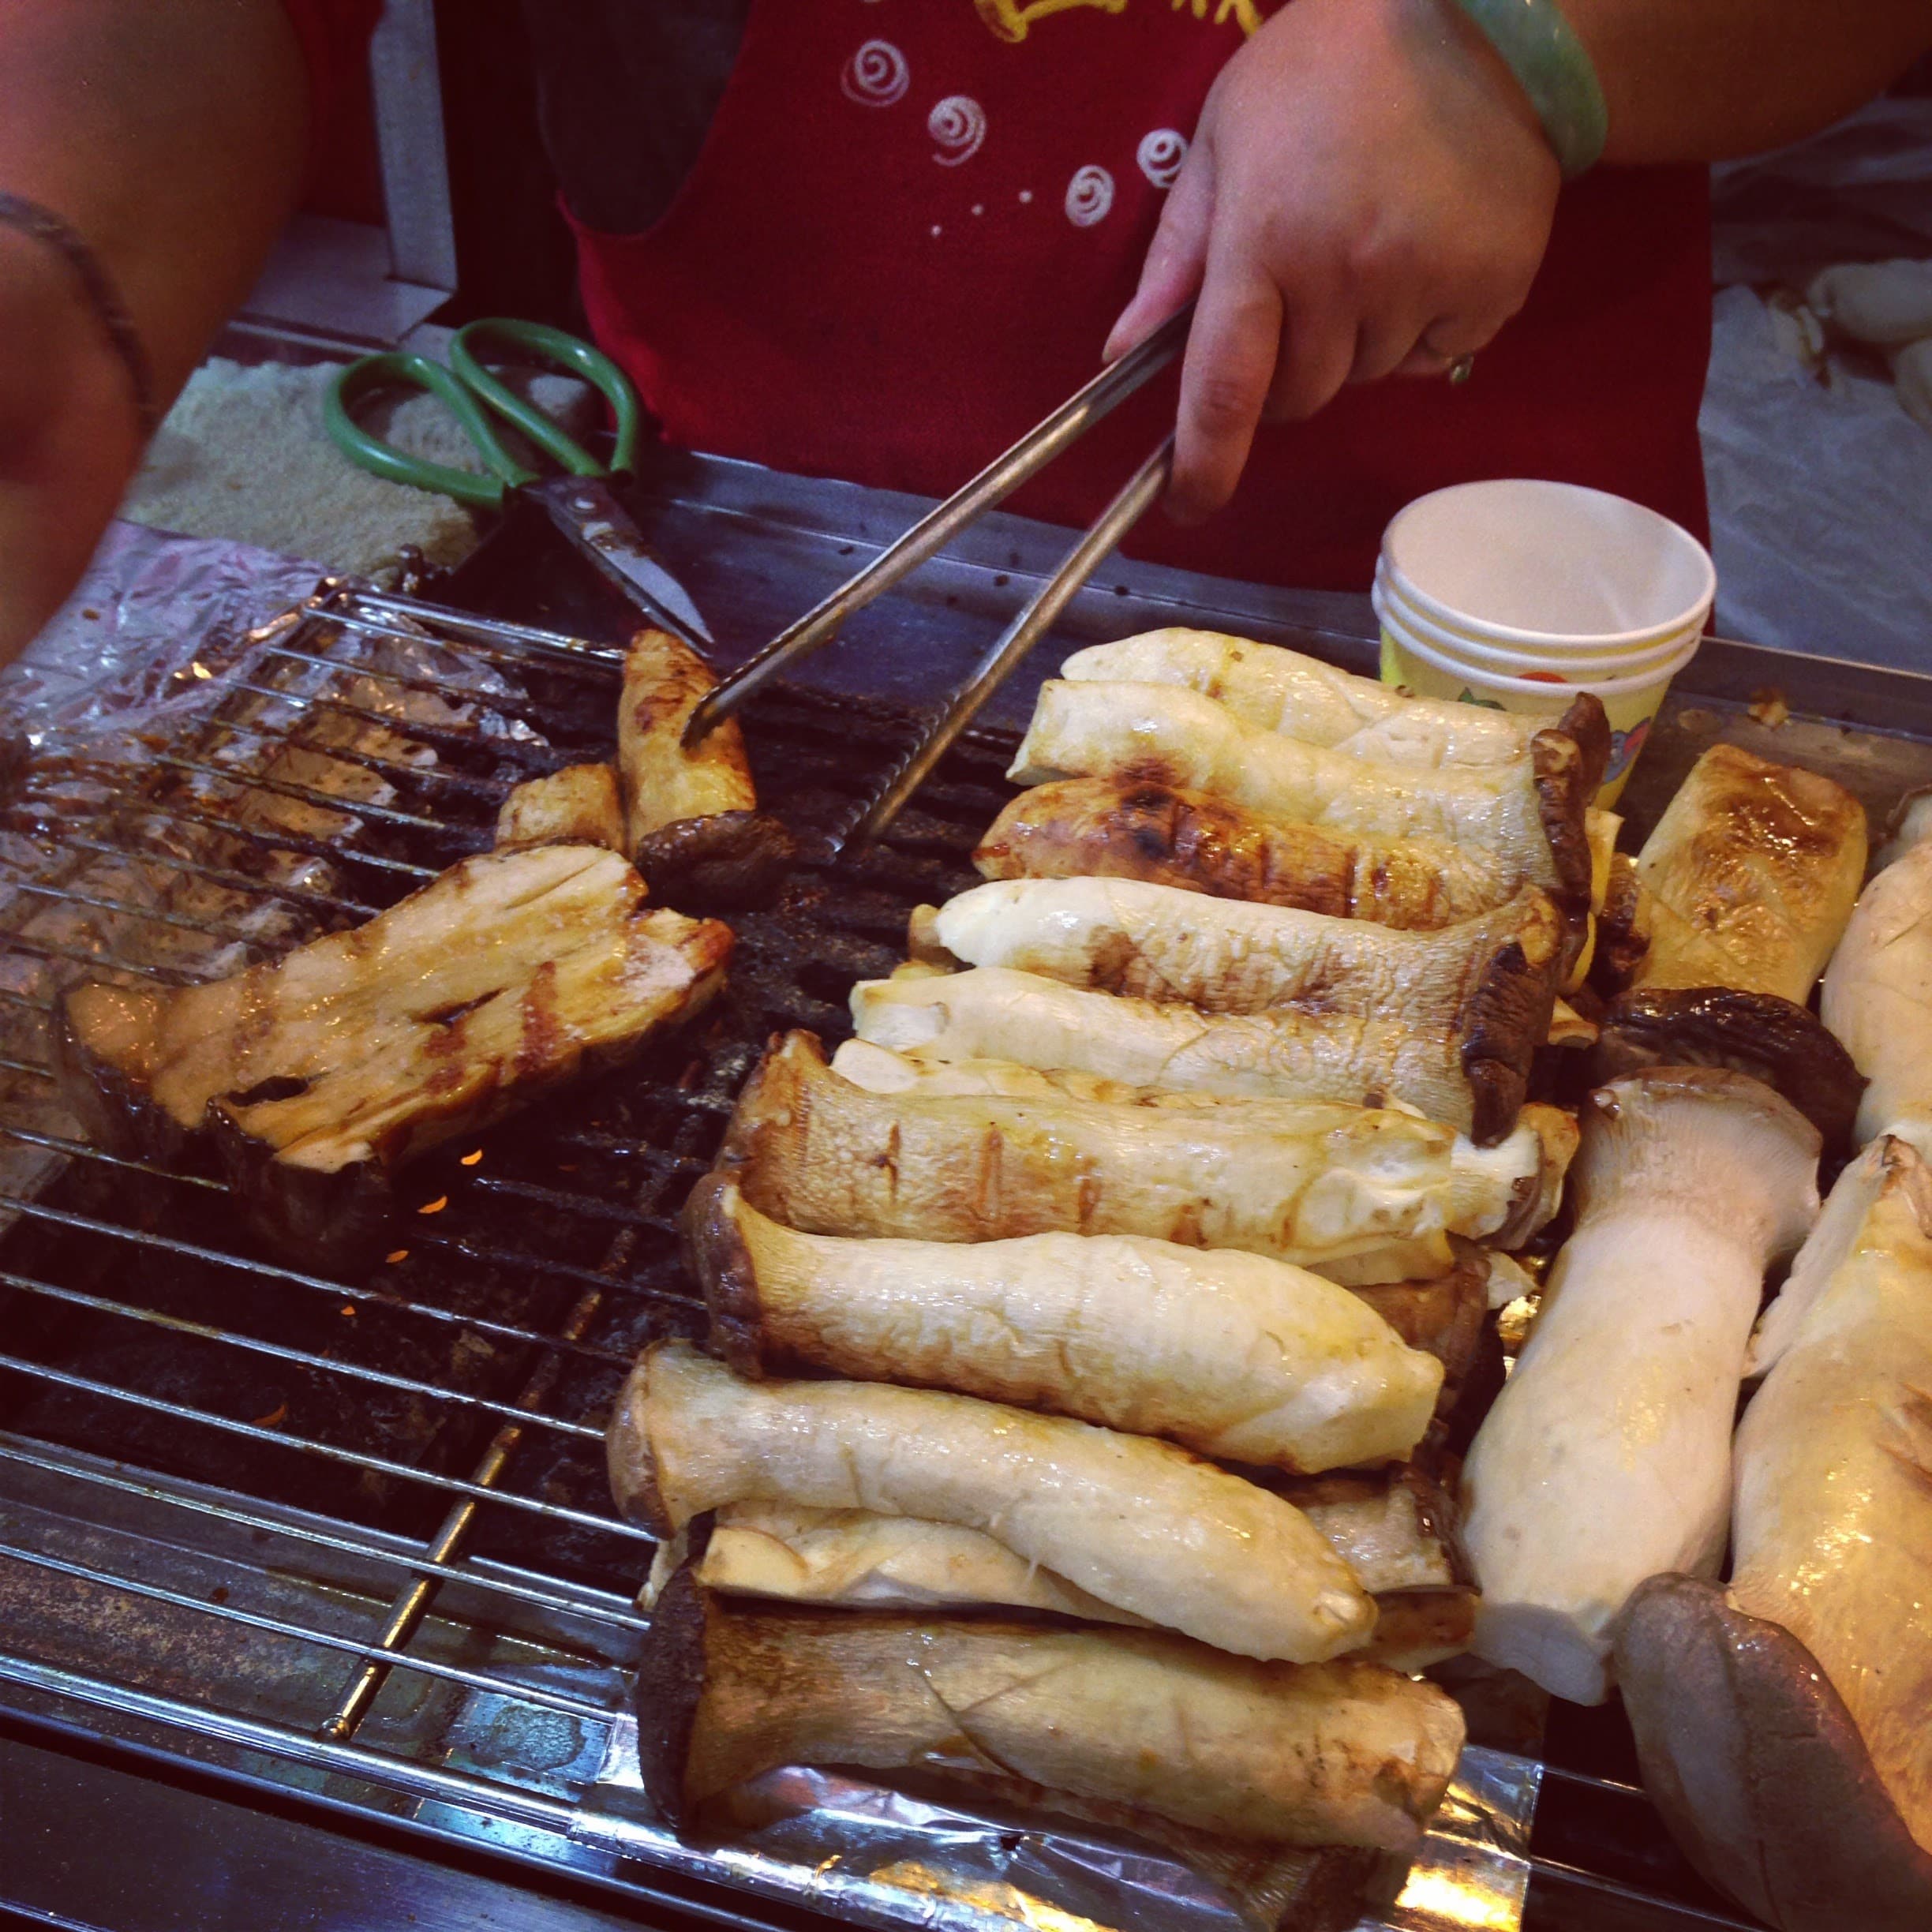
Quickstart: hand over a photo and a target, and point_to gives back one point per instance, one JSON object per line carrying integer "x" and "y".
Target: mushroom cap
{"x": 1758, "y": 1768}
{"x": 1769, "y": 1038}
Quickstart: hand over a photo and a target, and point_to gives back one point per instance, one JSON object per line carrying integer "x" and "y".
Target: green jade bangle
{"x": 1541, "y": 48}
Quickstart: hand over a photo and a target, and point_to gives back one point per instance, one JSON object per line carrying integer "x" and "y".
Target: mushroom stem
{"x": 1606, "y": 1458}
{"x": 1323, "y": 1754}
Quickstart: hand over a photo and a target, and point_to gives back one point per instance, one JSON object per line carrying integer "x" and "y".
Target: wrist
{"x": 1551, "y": 68}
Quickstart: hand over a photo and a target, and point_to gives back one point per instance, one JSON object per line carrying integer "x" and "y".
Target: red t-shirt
{"x": 913, "y": 223}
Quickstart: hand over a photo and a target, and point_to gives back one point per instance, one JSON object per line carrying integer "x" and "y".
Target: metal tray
{"x": 493, "y": 1727}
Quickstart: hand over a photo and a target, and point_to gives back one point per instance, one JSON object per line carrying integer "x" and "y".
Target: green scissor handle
{"x": 384, "y": 459}
{"x": 466, "y": 388}
{"x": 536, "y": 342}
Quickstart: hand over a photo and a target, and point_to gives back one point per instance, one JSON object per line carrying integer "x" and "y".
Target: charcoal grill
{"x": 352, "y": 1539}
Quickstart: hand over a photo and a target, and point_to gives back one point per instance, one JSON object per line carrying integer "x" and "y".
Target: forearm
{"x": 171, "y": 138}
{"x": 1705, "y": 79}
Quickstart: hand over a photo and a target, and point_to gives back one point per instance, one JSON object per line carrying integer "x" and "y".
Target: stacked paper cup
{"x": 1517, "y": 594}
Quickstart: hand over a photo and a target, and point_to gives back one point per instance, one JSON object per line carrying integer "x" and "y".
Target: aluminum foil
{"x": 132, "y": 729}
{"x": 890, "y": 1858}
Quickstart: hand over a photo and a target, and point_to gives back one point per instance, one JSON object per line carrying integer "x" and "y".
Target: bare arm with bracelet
{"x": 1372, "y": 185}
{"x": 169, "y": 138}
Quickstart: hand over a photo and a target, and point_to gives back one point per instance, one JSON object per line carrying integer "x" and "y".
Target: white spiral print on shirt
{"x": 876, "y": 76}
{"x": 1160, "y": 154}
{"x": 958, "y": 124}
{"x": 1089, "y": 195}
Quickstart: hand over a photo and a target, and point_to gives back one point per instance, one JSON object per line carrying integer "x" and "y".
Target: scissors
{"x": 580, "y": 503}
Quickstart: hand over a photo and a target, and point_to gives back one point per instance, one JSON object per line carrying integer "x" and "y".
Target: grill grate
{"x": 359, "y": 1531}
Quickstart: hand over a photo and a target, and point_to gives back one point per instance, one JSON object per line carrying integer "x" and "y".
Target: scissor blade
{"x": 584, "y": 509}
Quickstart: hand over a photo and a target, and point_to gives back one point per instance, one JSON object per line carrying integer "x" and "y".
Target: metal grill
{"x": 421, "y": 1450}
{"x": 355, "y": 1537}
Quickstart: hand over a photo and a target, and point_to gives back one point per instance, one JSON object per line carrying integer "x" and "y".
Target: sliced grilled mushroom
{"x": 1786, "y": 1046}
{"x": 1341, "y": 1754}
{"x": 1606, "y": 1458}
{"x": 318, "y": 1076}
{"x": 1230, "y": 1354}
{"x": 1391, "y": 1531}
{"x": 1300, "y": 696}
{"x": 1752, "y": 872}
{"x": 1138, "y": 1523}
{"x": 1474, "y": 1081}
{"x": 690, "y": 815}
{"x": 1394, "y": 1531}
{"x": 1363, "y": 1195}
{"x": 1496, "y": 973}
{"x": 1877, "y": 998}
{"x": 1117, "y": 828}
{"x": 577, "y": 805}
{"x": 1530, "y": 814}
{"x": 1782, "y": 1726}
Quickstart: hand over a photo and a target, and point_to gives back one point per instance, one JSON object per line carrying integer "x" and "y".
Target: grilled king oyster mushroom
{"x": 1877, "y": 997}
{"x": 1230, "y": 1354}
{"x": 1752, "y": 872}
{"x": 1474, "y": 1081}
{"x": 1607, "y": 1456}
{"x": 1301, "y": 697}
{"x": 1359, "y": 1194}
{"x": 1494, "y": 973}
{"x": 1343, "y": 1753}
{"x": 1120, "y": 828}
{"x": 1531, "y": 814}
{"x": 577, "y": 805}
{"x": 319, "y": 1076}
{"x": 1786, "y": 1046}
{"x": 1394, "y": 1531}
{"x": 690, "y": 816}
{"x": 1138, "y": 1523}
{"x": 1782, "y": 1723}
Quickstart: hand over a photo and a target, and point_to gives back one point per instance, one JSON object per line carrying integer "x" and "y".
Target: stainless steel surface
{"x": 608, "y": 539}
{"x": 1042, "y": 610}
{"x": 941, "y": 526}
{"x": 172, "y": 1612}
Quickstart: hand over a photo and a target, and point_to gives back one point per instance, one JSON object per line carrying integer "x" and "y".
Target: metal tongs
{"x": 1032, "y": 454}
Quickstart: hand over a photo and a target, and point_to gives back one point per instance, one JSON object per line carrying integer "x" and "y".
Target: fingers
{"x": 1443, "y": 343}
{"x": 1172, "y": 272}
{"x": 1231, "y": 354}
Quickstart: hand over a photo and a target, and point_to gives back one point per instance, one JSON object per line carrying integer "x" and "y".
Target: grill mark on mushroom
{"x": 1475, "y": 1082}
{"x": 1138, "y": 1523}
{"x": 1530, "y": 813}
{"x": 1365, "y": 1195}
{"x": 1752, "y": 872}
{"x": 317, "y": 1076}
{"x": 1230, "y": 1354}
{"x": 692, "y": 821}
{"x": 1107, "y": 828}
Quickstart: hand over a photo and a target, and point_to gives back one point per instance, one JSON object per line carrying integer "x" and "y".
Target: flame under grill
{"x": 358, "y": 1532}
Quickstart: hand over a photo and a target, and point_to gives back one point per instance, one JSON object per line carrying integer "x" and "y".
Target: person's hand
{"x": 1368, "y": 193}
{"x": 68, "y": 437}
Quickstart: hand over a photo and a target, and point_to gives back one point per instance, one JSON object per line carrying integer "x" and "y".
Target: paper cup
{"x": 1631, "y": 704}
{"x": 1584, "y": 668}
{"x": 1524, "y": 564}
